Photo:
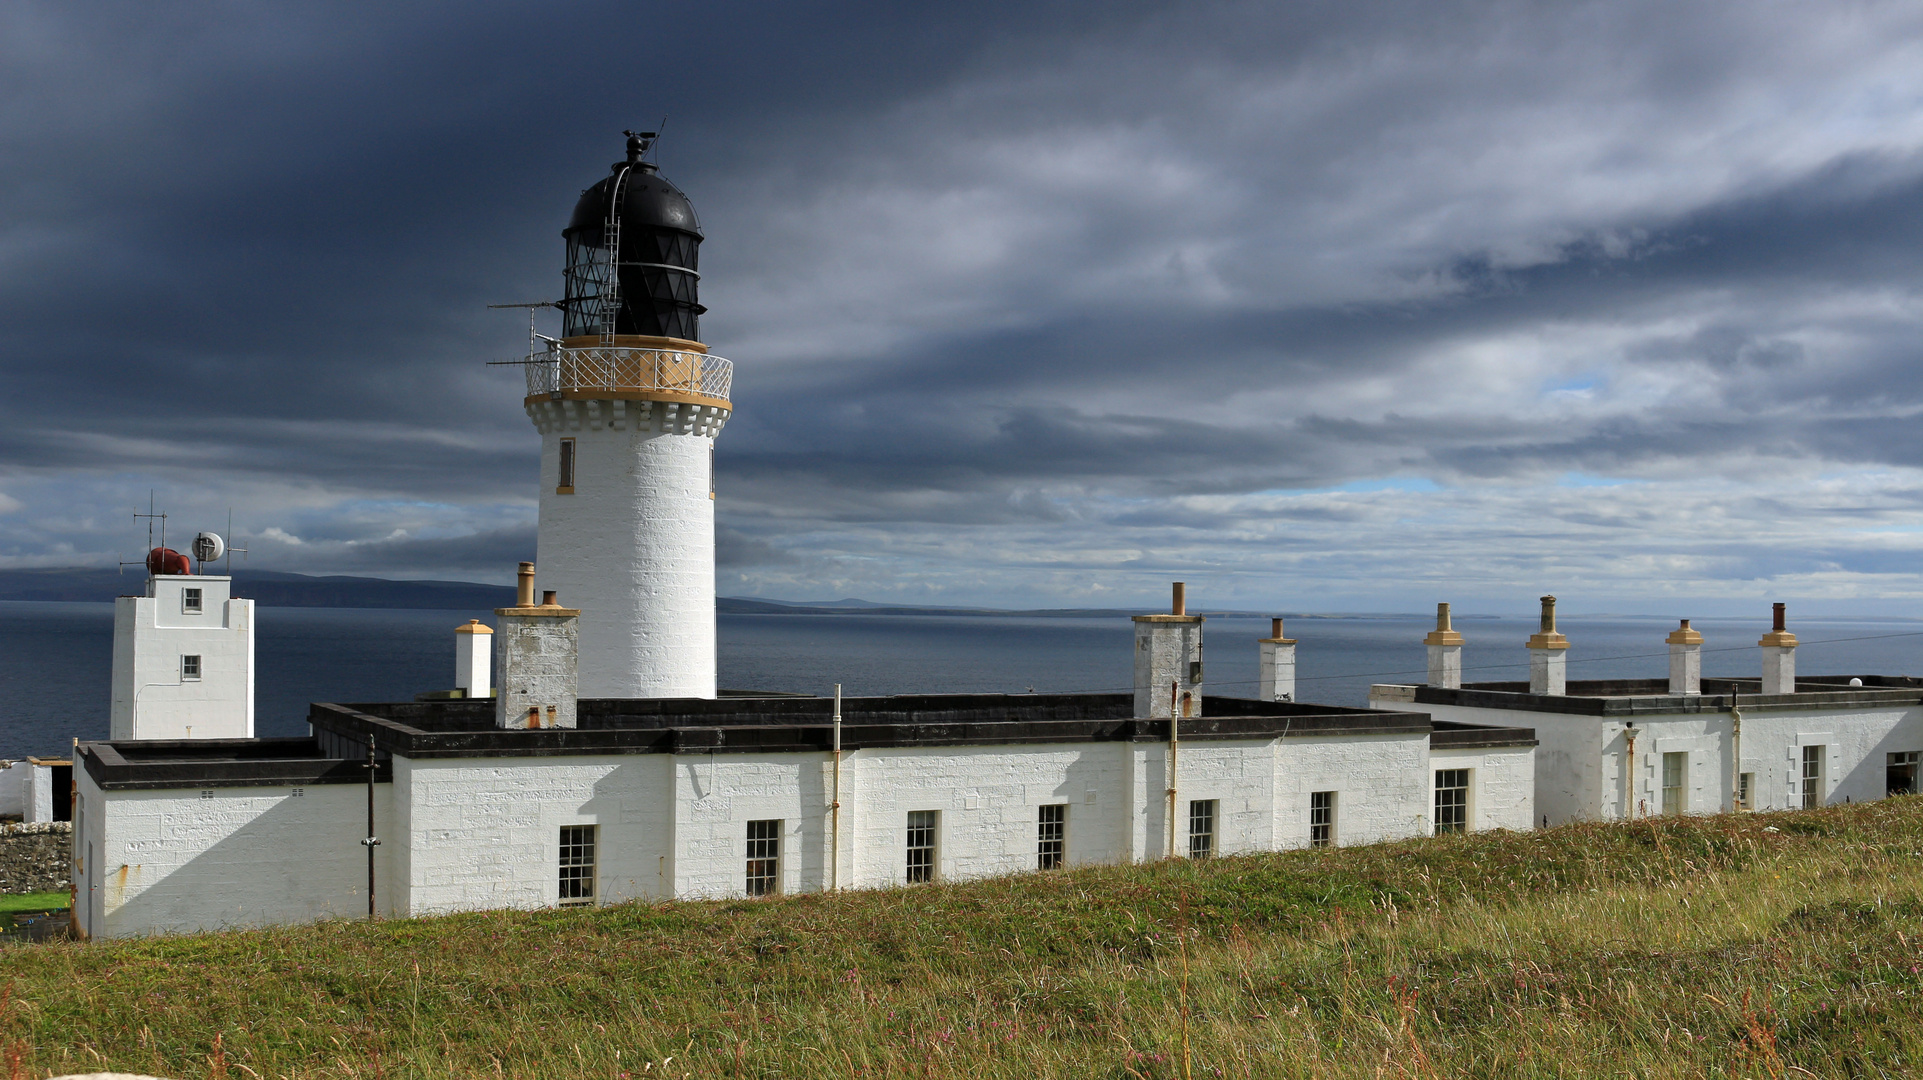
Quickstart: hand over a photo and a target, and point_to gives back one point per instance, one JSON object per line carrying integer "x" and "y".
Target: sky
{"x": 1315, "y": 306}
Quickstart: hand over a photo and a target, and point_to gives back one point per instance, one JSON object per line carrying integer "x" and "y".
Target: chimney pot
{"x": 1442, "y": 617}
{"x": 1778, "y": 611}
{"x": 1178, "y": 604}
{"x": 1548, "y": 614}
{"x": 524, "y": 586}
{"x": 1275, "y": 628}
{"x": 547, "y": 599}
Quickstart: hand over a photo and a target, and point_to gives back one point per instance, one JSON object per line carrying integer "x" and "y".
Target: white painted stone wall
{"x": 13, "y": 789}
{"x": 481, "y": 833}
{"x": 633, "y": 545}
{"x": 39, "y": 795}
{"x": 1502, "y": 785}
{"x": 152, "y": 696}
{"x": 1581, "y": 763}
{"x": 174, "y": 861}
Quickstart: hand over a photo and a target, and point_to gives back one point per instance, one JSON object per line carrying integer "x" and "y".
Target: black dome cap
{"x": 658, "y": 258}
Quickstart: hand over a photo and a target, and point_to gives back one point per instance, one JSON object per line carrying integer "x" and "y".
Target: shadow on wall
{"x": 297, "y": 859}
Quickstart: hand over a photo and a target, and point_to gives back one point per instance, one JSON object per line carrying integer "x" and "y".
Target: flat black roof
{"x": 336, "y": 754}
{"x": 428, "y": 729}
{"x": 135, "y": 764}
{"x": 1633, "y": 697}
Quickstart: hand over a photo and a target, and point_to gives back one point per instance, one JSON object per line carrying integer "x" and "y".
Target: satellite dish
{"x": 208, "y": 547}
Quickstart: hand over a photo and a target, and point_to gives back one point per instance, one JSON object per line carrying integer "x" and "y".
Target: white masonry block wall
{"x": 473, "y": 659}
{"x": 1275, "y": 666}
{"x": 1685, "y": 660}
{"x": 537, "y": 649}
{"x": 179, "y": 861}
{"x": 631, "y": 539}
{"x": 1168, "y": 662}
{"x": 1445, "y": 652}
{"x": 183, "y": 661}
{"x": 1548, "y": 655}
{"x": 1502, "y": 785}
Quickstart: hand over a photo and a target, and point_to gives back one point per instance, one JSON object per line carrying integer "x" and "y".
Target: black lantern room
{"x": 633, "y": 247}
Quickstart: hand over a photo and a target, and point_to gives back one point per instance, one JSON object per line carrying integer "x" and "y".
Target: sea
{"x": 56, "y": 658}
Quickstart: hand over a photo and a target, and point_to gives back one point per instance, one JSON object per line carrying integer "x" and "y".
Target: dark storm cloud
{"x": 1022, "y": 297}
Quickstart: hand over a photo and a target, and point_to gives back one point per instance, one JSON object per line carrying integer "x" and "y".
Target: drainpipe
{"x": 1735, "y": 754}
{"x": 371, "y": 842}
{"x": 1174, "y": 723}
{"x": 834, "y": 808}
{"x": 1629, "y": 773}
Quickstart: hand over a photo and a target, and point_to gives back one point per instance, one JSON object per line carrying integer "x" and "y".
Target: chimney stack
{"x": 1275, "y": 665}
{"x": 1168, "y": 662}
{"x": 1685, "y": 660}
{"x": 1548, "y": 655}
{"x": 538, "y": 649}
{"x": 1445, "y": 652}
{"x": 1779, "y": 656}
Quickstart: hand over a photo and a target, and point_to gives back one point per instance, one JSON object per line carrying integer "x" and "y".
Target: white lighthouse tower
{"x": 628, "y": 403}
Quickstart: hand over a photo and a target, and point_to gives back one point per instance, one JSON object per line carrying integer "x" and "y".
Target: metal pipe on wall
{"x": 372, "y": 841}
{"x": 1174, "y": 723}
{"x": 834, "y": 808}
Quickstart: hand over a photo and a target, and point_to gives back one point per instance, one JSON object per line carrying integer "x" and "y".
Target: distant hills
{"x": 269, "y": 588}
{"x": 273, "y": 588}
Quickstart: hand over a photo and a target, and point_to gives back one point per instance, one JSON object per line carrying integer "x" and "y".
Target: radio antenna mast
{"x": 151, "y": 517}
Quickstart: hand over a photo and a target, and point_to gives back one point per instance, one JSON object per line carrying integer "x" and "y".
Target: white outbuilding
{"x": 183, "y": 660}
{"x": 1620, "y": 749}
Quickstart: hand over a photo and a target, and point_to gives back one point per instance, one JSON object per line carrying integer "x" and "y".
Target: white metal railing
{"x": 613, "y": 368}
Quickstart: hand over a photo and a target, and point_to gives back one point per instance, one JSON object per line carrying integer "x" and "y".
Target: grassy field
{"x": 1764, "y": 945}
{"x": 33, "y": 901}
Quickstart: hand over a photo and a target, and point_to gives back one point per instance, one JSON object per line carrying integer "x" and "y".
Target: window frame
{"x": 1909, "y": 760}
{"x": 1810, "y": 782}
{"x": 577, "y": 866}
{"x": 762, "y": 870}
{"x": 191, "y": 601}
{"x": 1322, "y": 833}
{"x": 1051, "y": 836}
{"x": 922, "y": 862}
{"x": 1457, "y": 820}
{"x": 1745, "y": 791}
{"x": 1675, "y": 796}
{"x": 191, "y": 667}
{"x": 1204, "y": 828}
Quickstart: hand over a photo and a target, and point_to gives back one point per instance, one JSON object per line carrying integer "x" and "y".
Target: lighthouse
{"x": 628, "y": 402}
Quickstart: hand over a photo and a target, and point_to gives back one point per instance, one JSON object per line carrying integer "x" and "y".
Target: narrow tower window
{"x": 1321, "y": 818}
{"x": 1745, "y": 787}
{"x": 1050, "y": 837}
{"x": 190, "y": 668}
{"x": 921, "y": 845}
{"x": 577, "y": 865}
{"x": 565, "y": 485}
{"x": 764, "y": 857}
{"x": 190, "y": 599}
{"x": 1201, "y": 828}
{"x": 1452, "y": 801}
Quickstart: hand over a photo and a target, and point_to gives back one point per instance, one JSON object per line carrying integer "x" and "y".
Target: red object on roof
{"x": 168, "y": 561}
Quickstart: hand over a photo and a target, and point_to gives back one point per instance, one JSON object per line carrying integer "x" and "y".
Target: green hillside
{"x": 1757, "y": 945}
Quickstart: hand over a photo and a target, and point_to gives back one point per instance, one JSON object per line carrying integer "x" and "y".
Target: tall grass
{"x": 1741, "y": 946}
